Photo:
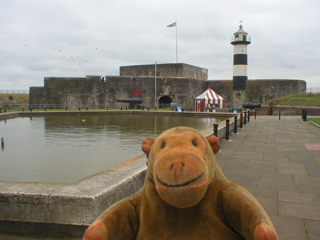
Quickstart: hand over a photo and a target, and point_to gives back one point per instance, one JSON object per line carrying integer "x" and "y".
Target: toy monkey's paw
{"x": 97, "y": 231}
{"x": 264, "y": 232}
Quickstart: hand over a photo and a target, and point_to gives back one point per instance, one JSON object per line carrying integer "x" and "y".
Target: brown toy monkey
{"x": 185, "y": 196}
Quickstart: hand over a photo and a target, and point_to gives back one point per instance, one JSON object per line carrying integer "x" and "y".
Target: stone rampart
{"x": 173, "y": 70}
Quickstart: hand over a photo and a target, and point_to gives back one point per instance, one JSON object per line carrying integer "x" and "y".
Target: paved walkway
{"x": 269, "y": 157}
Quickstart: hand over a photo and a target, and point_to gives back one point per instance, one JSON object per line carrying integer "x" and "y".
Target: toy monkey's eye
{"x": 163, "y": 145}
{"x": 194, "y": 143}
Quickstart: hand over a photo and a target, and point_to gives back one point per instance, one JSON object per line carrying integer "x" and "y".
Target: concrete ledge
{"x": 77, "y": 204}
{"x": 90, "y": 112}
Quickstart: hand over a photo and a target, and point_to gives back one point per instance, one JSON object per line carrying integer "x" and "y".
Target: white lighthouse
{"x": 240, "y": 41}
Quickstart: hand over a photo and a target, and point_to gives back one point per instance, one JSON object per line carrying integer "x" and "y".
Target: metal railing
{"x": 15, "y": 91}
{"x": 313, "y": 90}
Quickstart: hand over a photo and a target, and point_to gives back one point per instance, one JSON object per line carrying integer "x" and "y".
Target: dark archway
{"x": 164, "y": 102}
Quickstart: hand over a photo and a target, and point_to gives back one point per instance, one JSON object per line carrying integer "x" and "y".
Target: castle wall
{"x": 91, "y": 92}
{"x": 259, "y": 90}
{"x": 165, "y": 70}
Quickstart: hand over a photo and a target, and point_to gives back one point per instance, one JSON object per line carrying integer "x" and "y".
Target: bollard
{"x": 121, "y": 109}
{"x": 79, "y": 109}
{"x": 304, "y": 114}
{"x": 235, "y": 130}
{"x": 30, "y": 109}
{"x": 155, "y": 108}
{"x": 245, "y": 118}
{"x": 279, "y": 114}
{"x": 215, "y": 129}
{"x": 4, "y": 110}
{"x": 22, "y": 110}
{"x": 255, "y": 114}
{"x": 227, "y": 128}
{"x": 87, "y": 108}
{"x": 148, "y": 109}
{"x": 248, "y": 116}
{"x": 241, "y": 120}
{"x": 66, "y": 108}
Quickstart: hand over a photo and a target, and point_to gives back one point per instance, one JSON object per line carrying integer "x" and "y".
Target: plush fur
{"x": 185, "y": 196}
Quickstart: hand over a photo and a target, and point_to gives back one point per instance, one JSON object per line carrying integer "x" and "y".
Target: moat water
{"x": 67, "y": 148}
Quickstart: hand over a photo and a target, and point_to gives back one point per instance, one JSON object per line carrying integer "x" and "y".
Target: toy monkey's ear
{"x": 147, "y": 144}
{"x": 214, "y": 143}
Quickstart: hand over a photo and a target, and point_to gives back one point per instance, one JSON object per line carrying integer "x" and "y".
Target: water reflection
{"x": 64, "y": 148}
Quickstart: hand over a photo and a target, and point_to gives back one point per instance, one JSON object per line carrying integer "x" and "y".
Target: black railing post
{"x": 215, "y": 129}
{"x": 245, "y": 118}
{"x": 227, "y": 128}
{"x": 235, "y": 130}
{"x": 241, "y": 120}
{"x": 279, "y": 114}
{"x": 304, "y": 114}
{"x": 248, "y": 116}
{"x": 255, "y": 113}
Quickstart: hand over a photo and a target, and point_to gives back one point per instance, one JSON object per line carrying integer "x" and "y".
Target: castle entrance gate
{"x": 164, "y": 102}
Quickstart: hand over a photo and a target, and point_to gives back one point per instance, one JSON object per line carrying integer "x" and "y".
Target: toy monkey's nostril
{"x": 177, "y": 165}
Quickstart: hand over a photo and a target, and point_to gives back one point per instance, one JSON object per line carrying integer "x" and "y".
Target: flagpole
{"x": 176, "y": 41}
{"x": 176, "y": 26}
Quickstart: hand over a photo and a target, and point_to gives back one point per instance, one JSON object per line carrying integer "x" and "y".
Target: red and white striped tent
{"x": 209, "y": 97}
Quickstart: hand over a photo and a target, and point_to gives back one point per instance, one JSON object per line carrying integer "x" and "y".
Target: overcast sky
{"x": 69, "y": 38}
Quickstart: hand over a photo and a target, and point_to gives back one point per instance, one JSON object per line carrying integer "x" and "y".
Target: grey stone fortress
{"x": 162, "y": 84}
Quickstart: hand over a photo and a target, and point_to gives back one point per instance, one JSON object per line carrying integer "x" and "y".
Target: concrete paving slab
{"x": 313, "y": 227}
{"x": 289, "y": 228}
{"x": 296, "y": 197}
{"x": 299, "y": 210}
{"x": 279, "y": 184}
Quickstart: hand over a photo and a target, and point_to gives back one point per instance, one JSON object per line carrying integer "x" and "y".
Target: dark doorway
{"x": 164, "y": 102}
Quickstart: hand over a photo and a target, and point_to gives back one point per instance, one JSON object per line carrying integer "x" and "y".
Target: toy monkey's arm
{"x": 120, "y": 221}
{"x": 245, "y": 214}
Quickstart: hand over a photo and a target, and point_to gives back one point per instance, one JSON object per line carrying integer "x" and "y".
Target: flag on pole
{"x": 172, "y": 24}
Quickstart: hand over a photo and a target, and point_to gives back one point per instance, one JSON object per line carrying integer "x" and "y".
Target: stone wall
{"x": 166, "y": 70}
{"x": 93, "y": 93}
{"x": 177, "y": 83}
{"x": 259, "y": 90}
{"x": 288, "y": 110}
